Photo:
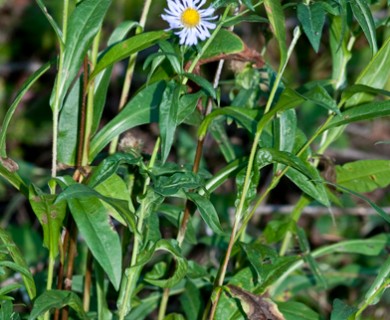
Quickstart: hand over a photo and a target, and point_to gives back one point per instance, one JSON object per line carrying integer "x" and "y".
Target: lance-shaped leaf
{"x": 168, "y": 117}
{"x": 366, "y": 111}
{"x": 301, "y": 173}
{"x": 93, "y": 221}
{"x": 362, "y": 12}
{"x": 78, "y": 191}
{"x": 124, "y": 49}
{"x": 207, "y": 211}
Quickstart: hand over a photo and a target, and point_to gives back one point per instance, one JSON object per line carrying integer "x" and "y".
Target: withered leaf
{"x": 255, "y": 307}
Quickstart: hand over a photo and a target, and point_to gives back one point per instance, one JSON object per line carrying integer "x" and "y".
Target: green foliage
{"x": 169, "y": 219}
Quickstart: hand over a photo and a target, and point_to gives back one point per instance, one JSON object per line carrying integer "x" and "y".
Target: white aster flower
{"x": 193, "y": 23}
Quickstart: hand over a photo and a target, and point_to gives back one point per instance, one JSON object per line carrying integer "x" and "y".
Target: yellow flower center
{"x": 190, "y": 17}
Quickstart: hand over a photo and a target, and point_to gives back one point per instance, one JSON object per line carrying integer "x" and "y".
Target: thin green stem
{"x": 130, "y": 71}
{"x": 132, "y": 277}
{"x": 49, "y": 284}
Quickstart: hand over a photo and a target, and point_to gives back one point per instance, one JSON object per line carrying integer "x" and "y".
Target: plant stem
{"x": 130, "y": 70}
{"x": 87, "y": 282}
{"x": 132, "y": 277}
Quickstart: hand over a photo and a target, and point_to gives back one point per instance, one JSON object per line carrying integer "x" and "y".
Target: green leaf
{"x": 225, "y": 42}
{"x": 187, "y": 106}
{"x": 10, "y": 112}
{"x": 203, "y": 83}
{"x": 191, "y": 301}
{"x": 293, "y": 310}
{"x": 246, "y": 117}
{"x": 170, "y": 53}
{"x": 276, "y": 17}
{"x": 124, "y": 49}
{"x": 172, "y": 247}
{"x": 93, "y": 222}
{"x": 370, "y": 247}
{"x": 288, "y": 99}
{"x": 51, "y": 215}
{"x": 362, "y": 12}
{"x": 364, "y": 175}
{"x": 360, "y": 88}
{"x": 307, "y": 256}
{"x": 341, "y": 311}
{"x": 17, "y": 256}
{"x": 170, "y": 185}
{"x": 83, "y": 25}
{"x": 207, "y": 211}
{"x": 68, "y": 126}
{"x": 102, "y": 81}
{"x": 115, "y": 188}
{"x": 84, "y": 193}
{"x": 375, "y": 74}
{"x": 140, "y": 110}
{"x": 218, "y": 131}
{"x": 379, "y": 285}
{"x": 312, "y": 18}
{"x": 110, "y": 165}
{"x": 168, "y": 117}
{"x": 320, "y": 96}
{"x": 285, "y": 127}
{"x": 366, "y": 111}
{"x": 57, "y": 299}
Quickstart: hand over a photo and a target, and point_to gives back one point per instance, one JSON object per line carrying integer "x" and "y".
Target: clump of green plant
{"x": 137, "y": 218}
